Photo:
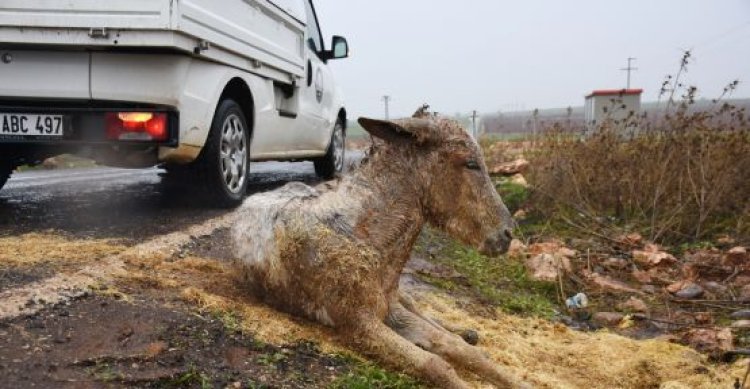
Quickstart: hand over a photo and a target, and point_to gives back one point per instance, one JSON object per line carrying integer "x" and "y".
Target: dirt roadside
{"x": 170, "y": 312}
{"x": 150, "y": 341}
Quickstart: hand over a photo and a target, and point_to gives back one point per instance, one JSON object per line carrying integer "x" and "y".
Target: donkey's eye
{"x": 473, "y": 165}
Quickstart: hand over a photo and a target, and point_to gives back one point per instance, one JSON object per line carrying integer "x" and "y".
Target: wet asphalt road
{"x": 118, "y": 203}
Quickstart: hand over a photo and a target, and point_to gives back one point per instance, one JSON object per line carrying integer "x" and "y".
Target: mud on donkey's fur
{"x": 334, "y": 253}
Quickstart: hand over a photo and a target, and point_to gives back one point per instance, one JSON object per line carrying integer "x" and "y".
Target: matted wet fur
{"x": 334, "y": 253}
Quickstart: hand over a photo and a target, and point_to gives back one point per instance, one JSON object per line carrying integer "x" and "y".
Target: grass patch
{"x": 232, "y": 323}
{"x": 104, "y": 372}
{"x": 536, "y": 226}
{"x": 694, "y": 246}
{"x": 271, "y": 358}
{"x": 502, "y": 282}
{"x": 514, "y": 195}
{"x": 191, "y": 378}
{"x": 367, "y": 375}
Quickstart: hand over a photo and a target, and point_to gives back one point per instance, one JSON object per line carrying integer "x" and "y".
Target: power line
{"x": 712, "y": 40}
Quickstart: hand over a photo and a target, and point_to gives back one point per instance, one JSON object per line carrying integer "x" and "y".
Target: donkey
{"x": 334, "y": 253}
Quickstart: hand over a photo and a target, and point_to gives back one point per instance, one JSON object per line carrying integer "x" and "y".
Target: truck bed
{"x": 256, "y": 35}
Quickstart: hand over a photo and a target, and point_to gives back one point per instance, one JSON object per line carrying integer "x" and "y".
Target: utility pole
{"x": 387, "y": 100}
{"x": 629, "y": 69}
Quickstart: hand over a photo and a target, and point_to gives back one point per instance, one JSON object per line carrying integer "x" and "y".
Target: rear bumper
{"x": 85, "y": 124}
{"x": 84, "y": 133}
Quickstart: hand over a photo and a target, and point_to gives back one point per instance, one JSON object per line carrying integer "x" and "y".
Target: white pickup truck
{"x": 201, "y": 87}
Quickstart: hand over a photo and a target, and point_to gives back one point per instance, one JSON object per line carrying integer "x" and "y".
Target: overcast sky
{"x": 495, "y": 55}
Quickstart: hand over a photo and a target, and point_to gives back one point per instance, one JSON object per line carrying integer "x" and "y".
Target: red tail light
{"x": 138, "y": 126}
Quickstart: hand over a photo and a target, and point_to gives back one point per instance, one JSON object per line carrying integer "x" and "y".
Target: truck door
{"x": 316, "y": 100}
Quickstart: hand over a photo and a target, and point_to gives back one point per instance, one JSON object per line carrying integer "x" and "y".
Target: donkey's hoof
{"x": 470, "y": 336}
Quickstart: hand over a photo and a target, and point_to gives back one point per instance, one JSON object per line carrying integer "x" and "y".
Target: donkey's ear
{"x": 385, "y": 130}
{"x": 400, "y": 131}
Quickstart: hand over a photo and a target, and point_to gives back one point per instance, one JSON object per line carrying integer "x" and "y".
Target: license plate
{"x": 31, "y": 125}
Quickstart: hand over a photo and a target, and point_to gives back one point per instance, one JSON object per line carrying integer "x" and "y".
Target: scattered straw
{"x": 554, "y": 356}
{"x": 33, "y": 249}
{"x": 265, "y": 323}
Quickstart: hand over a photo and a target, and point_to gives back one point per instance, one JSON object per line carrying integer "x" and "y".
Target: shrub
{"x": 679, "y": 178}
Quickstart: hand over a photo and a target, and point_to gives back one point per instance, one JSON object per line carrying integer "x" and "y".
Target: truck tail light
{"x": 138, "y": 126}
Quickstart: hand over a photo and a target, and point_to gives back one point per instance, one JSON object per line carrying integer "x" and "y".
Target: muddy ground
{"x": 181, "y": 319}
{"x": 152, "y": 342}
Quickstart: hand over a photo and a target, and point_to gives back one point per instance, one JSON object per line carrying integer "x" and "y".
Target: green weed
{"x": 191, "y": 378}
{"x": 502, "y": 281}
{"x": 366, "y": 376}
{"x": 271, "y": 358}
{"x": 514, "y": 195}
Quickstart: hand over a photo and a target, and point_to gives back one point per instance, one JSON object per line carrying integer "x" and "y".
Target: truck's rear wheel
{"x": 223, "y": 165}
{"x": 332, "y": 164}
{"x": 5, "y": 171}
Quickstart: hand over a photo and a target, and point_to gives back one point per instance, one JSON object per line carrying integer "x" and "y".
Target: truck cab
{"x": 200, "y": 87}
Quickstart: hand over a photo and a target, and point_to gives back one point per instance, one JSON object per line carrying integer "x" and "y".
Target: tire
{"x": 223, "y": 165}
{"x": 331, "y": 165}
{"x": 5, "y": 172}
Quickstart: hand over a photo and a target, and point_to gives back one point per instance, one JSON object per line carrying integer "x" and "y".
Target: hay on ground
{"x": 35, "y": 248}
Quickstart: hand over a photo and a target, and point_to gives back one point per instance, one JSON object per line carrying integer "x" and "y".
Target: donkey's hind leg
{"x": 373, "y": 337}
{"x": 431, "y": 337}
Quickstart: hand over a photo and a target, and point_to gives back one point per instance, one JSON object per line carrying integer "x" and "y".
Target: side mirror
{"x": 339, "y": 48}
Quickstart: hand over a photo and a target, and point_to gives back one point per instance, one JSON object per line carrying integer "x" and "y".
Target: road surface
{"x": 117, "y": 203}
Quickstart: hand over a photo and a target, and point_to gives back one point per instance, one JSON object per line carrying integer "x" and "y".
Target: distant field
{"x": 355, "y": 131}
{"x": 513, "y": 136}
{"x": 524, "y": 122}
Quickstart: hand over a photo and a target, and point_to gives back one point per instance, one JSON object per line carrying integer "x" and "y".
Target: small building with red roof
{"x": 611, "y": 104}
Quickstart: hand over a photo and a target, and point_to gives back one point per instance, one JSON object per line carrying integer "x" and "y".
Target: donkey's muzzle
{"x": 497, "y": 244}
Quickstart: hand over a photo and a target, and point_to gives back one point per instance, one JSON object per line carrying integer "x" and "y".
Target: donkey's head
{"x": 457, "y": 195}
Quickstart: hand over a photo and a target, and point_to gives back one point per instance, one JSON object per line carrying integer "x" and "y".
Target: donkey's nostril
{"x": 496, "y": 244}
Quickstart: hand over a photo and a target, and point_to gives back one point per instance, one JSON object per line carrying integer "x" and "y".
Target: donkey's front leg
{"x": 375, "y": 338}
{"x": 470, "y": 336}
{"x": 428, "y": 336}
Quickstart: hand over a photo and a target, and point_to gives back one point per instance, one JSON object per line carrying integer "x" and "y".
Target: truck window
{"x": 314, "y": 37}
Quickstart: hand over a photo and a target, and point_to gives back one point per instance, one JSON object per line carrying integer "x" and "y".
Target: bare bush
{"x": 682, "y": 177}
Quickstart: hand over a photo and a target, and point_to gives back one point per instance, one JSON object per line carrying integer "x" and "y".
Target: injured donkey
{"x": 335, "y": 253}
